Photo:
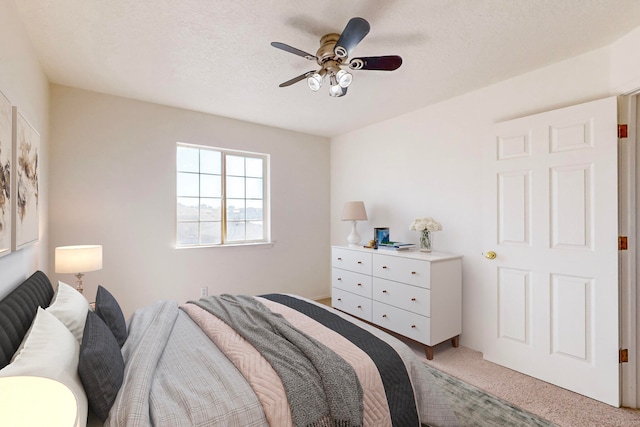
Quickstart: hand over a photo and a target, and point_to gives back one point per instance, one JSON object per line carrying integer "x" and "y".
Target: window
{"x": 221, "y": 196}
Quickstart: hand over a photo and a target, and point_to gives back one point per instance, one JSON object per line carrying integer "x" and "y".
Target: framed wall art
{"x": 26, "y": 146}
{"x": 6, "y": 144}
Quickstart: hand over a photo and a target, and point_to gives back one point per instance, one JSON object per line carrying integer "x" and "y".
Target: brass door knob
{"x": 490, "y": 255}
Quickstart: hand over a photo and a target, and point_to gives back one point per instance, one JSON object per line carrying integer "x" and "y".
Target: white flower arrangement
{"x": 429, "y": 224}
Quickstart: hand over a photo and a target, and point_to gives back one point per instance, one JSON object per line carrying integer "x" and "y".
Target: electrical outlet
{"x": 204, "y": 291}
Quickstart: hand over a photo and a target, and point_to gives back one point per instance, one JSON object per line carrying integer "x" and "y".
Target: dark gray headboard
{"x": 17, "y": 311}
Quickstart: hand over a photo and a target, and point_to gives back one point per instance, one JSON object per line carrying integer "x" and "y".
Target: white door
{"x": 552, "y": 220}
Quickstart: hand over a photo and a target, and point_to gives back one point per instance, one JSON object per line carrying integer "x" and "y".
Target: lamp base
{"x": 79, "y": 287}
{"x": 354, "y": 236}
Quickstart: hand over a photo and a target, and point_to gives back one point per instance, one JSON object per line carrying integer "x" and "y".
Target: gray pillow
{"x": 100, "y": 365}
{"x": 108, "y": 309}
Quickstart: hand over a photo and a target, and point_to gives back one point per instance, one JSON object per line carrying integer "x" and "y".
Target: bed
{"x": 227, "y": 360}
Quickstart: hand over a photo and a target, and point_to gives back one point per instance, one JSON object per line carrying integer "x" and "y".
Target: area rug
{"x": 477, "y": 408}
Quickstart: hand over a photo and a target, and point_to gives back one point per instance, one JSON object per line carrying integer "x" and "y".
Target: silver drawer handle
{"x": 340, "y": 278}
{"x": 339, "y": 259}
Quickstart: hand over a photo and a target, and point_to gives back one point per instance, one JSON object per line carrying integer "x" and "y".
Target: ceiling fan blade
{"x": 293, "y": 50}
{"x": 382, "y": 63}
{"x": 296, "y": 79}
{"x": 353, "y": 34}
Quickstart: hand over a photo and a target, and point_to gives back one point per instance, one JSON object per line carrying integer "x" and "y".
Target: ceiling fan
{"x": 332, "y": 56}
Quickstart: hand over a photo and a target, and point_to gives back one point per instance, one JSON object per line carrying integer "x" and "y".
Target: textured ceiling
{"x": 214, "y": 56}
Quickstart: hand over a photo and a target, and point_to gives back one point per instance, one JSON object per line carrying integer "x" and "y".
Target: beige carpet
{"x": 562, "y": 407}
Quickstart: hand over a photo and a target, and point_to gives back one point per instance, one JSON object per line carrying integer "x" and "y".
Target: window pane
{"x": 254, "y": 167}
{"x": 211, "y": 210}
{"x": 210, "y": 233}
{"x": 208, "y": 200}
{"x": 187, "y": 184}
{"x": 254, "y": 188}
{"x": 187, "y": 233}
{"x": 255, "y": 230}
{"x": 235, "y": 231}
{"x": 254, "y": 210}
{"x": 235, "y": 165}
{"x": 210, "y": 186}
{"x": 188, "y": 208}
{"x": 210, "y": 162}
{"x": 187, "y": 159}
{"x": 235, "y": 187}
{"x": 235, "y": 210}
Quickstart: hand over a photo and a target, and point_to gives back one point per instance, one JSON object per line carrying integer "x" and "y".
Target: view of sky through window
{"x": 220, "y": 196}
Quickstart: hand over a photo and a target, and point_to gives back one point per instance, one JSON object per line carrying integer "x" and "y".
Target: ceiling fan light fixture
{"x": 314, "y": 81}
{"x": 344, "y": 78}
{"x": 335, "y": 89}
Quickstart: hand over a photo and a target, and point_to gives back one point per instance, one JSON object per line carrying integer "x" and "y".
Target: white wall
{"x": 113, "y": 183}
{"x": 429, "y": 162}
{"x": 23, "y": 82}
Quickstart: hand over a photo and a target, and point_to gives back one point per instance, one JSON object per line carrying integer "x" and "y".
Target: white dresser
{"x": 414, "y": 294}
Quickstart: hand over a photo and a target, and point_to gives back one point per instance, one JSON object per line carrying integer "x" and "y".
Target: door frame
{"x": 629, "y": 218}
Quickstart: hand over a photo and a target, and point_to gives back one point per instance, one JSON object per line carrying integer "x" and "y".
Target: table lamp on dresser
{"x": 354, "y": 212}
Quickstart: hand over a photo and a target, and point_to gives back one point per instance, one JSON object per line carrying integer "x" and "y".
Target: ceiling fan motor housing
{"x": 326, "y": 50}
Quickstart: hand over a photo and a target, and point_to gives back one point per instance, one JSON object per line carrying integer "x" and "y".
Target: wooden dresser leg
{"x": 455, "y": 341}
{"x": 429, "y": 351}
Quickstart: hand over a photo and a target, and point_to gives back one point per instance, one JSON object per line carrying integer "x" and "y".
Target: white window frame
{"x": 266, "y": 240}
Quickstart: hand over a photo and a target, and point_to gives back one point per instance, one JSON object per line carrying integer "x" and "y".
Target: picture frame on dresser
{"x": 412, "y": 294}
{"x": 6, "y": 156}
{"x": 380, "y": 235}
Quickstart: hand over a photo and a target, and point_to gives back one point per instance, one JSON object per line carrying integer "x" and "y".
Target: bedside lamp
{"x": 78, "y": 260}
{"x": 354, "y": 211}
{"x": 56, "y": 404}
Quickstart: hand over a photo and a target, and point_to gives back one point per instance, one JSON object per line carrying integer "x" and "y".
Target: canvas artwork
{"x": 5, "y": 175}
{"x": 27, "y": 150}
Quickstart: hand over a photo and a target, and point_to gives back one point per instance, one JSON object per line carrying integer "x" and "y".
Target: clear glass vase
{"x": 425, "y": 241}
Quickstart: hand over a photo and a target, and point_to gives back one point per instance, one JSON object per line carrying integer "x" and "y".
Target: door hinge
{"x": 622, "y": 131}
{"x": 622, "y": 243}
{"x": 623, "y": 355}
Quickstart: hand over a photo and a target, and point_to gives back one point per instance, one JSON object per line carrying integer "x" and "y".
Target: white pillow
{"x": 49, "y": 350}
{"x": 70, "y": 307}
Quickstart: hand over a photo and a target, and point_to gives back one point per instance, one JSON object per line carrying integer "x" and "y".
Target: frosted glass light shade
{"x": 78, "y": 259}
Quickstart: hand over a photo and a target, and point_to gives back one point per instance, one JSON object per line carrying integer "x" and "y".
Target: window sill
{"x": 263, "y": 245}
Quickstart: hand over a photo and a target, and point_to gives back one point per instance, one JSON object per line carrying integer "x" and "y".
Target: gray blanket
{"x": 172, "y": 377}
{"x": 323, "y": 389}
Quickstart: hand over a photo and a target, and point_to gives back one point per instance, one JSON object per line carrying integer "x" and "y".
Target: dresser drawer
{"x": 407, "y": 297}
{"x": 352, "y": 282}
{"x": 410, "y": 325}
{"x": 356, "y": 305}
{"x": 406, "y": 270}
{"x": 357, "y": 261}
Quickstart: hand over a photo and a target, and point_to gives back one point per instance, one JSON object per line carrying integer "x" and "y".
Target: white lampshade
{"x": 56, "y": 404}
{"x": 78, "y": 259}
{"x": 354, "y": 211}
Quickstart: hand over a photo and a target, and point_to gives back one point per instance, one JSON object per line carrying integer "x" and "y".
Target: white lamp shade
{"x": 354, "y": 211}
{"x": 78, "y": 259}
